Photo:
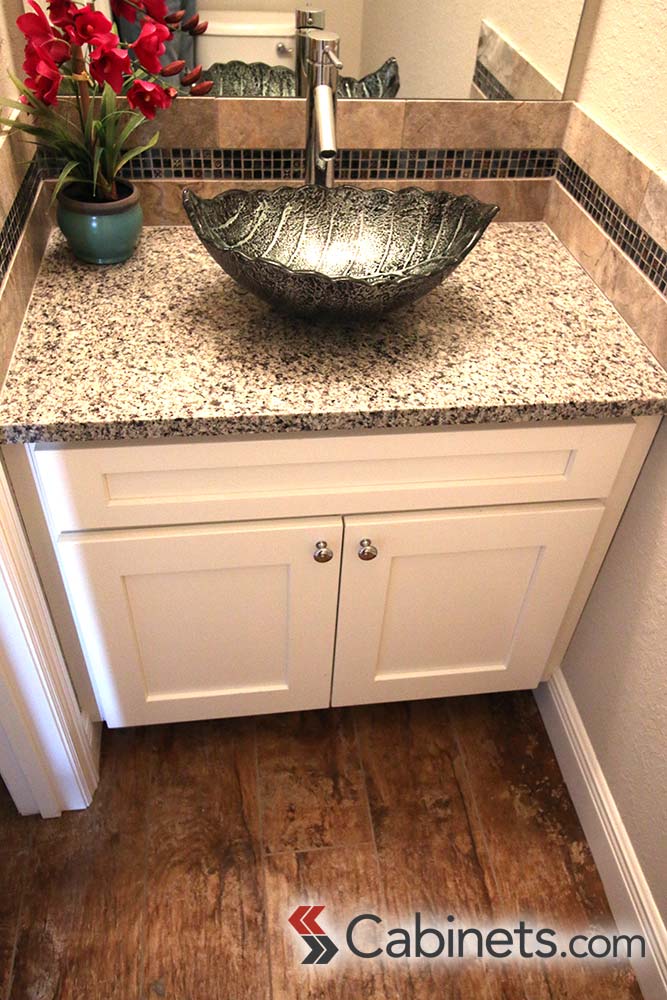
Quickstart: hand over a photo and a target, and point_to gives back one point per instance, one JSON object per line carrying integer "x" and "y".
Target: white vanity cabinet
{"x": 232, "y": 577}
{"x": 455, "y": 602}
{"x": 200, "y": 622}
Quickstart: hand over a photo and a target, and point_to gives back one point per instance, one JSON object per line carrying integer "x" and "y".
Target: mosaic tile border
{"x": 490, "y": 86}
{"x": 352, "y": 165}
{"x": 628, "y": 235}
{"x": 14, "y": 224}
{"x": 372, "y": 165}
{"x": 446, "y": 164}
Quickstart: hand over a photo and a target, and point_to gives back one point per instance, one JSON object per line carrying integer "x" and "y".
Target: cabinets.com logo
{"x": 321, "y": 947}
{"x": 417, "y": 940}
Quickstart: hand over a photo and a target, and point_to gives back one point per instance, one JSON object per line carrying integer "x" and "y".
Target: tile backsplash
{"x": 352, "y": 164}
{"x": 380, "y": 165}
{"x": 542, "y": 141}
{"x": 17, "y": 216}
{"x": 627, "y": 234}
{"x": 488, "y": 85}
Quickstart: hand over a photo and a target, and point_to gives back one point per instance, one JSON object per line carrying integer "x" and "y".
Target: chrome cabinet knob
{"x": 284, "y": 50}
{"x": 322, "y": 553}
{"x": 367, "y": 550}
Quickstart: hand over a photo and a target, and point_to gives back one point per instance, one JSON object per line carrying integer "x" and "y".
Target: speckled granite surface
{"x": 168, "y": 345}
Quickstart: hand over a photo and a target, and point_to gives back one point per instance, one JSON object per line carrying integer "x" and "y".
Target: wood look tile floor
{"x": 203, "y": 837}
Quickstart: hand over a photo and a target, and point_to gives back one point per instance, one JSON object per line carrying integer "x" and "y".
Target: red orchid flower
{"x": 36, "y": 27}
{"x": 109, "y": 65}
{"x": 42, "y": 73}
{"x": 157, "y": 9}
{"x": 62, "y": 13}
{"x": 147, "y": 97}
{"x": 121, "y": 8}
{"x": 91, "y": 27}
{"x": 149, "y": 46}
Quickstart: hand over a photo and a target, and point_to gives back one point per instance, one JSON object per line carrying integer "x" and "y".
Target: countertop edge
{"x": 146, "y": 430}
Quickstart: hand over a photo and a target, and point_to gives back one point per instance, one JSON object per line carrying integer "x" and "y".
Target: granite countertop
{"x": 168, "y": 345}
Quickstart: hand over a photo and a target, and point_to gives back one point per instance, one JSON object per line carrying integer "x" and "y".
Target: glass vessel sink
{"x": 338, "y": 252}
{"x": 240, "y": 79}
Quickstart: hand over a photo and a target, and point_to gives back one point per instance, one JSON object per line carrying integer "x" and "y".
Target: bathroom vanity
{"x": 249, "y": 513}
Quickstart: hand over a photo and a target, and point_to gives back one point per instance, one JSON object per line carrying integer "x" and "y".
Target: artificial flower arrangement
{"x": 73, "y": 50}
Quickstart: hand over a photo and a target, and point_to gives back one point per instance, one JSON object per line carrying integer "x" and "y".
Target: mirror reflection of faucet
{"x": 256, "y": 54}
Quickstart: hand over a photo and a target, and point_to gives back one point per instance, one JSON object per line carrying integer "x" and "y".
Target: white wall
{"x": 435, "y": 43}
{"x": 616, "y": 666}
{"x": 544, "y": 33}
{"x": 11, "y": 45}
{"x": 624, "y": 86}
{"x": 616, "y": 669}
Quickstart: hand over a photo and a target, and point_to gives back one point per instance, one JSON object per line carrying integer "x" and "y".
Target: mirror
{"x": 494, "y": 49}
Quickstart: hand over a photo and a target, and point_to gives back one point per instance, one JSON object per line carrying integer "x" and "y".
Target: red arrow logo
{"x": 304, "y": 920}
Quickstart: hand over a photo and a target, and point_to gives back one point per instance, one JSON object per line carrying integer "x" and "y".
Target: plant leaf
{"x": 134, "y": 123}
{"x": 96, "y": 167}
{"x": 137, "y": 151}
{"x": 65, "y": 175}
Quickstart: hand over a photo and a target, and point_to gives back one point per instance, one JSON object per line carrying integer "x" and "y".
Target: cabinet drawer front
{"x": 206, "y": 622}
{"x": 113, "y": 486}
{"x": 456, "y": 602}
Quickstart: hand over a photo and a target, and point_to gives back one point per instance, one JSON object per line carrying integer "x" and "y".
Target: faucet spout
{"x": 320, "y": 61}
{"x": 325, "y": 121}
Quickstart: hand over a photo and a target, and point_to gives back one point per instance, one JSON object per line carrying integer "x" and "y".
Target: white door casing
{"x": 48, "y": 750}
{"x": 456, "y": 602}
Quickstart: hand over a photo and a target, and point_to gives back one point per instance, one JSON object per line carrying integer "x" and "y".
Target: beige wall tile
{"x": 618, "y": 172}
{"x": 637, "y": 300}
{"x": 512, "y": 69}
{"x": 227, "y": 123}
{"x": 260, "y": 123}
{"x": 370, "y": 124}
{"x": 17, "y": 287}
{"x": 162, "y": 201}
{"x": 15, "y": 156}
{"x": 653, "y": 212}
{"x": 189, "y": 122}
{"x": 484, "y": 124}
{"x": 585, "y": 240}
{"x": 519, "y": 201}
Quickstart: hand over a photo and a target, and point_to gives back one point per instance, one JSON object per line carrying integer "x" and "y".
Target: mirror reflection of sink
{"x": 338, "y": 252}
{"x": 258, "y": 79}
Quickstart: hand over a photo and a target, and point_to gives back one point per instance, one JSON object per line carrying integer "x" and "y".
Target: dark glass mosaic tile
{"x": 628, "y": 235}
{"x": 14, "y": 224}
{"x": 492, "y": 88}
{"x": 442, "y": 164}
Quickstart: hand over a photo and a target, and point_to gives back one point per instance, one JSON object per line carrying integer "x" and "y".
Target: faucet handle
{"x": 310, "y": 19}
{"x": 332, "y": 57}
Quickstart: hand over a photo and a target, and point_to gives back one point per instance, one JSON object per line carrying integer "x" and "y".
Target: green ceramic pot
{"x": 101, "y": 232}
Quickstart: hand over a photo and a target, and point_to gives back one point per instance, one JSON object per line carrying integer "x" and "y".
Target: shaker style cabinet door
{"x": 206, "y": 622}
{"x": 455, "y": 602}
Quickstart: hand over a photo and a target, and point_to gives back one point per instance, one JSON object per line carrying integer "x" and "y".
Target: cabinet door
{"x": 455, "y": 602}
{"x": 192, "y": 623}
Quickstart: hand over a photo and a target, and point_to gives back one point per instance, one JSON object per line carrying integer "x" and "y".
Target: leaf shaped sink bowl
{"x": 241, "y": 79}
{"x": 338, "y": 251}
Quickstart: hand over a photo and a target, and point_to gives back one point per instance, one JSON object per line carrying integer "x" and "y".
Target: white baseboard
{"x": 629, "y": 895}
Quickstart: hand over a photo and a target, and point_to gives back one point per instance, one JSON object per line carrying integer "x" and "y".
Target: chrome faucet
{"x": 318, "y": 64}
{"x": 305, "y": 19}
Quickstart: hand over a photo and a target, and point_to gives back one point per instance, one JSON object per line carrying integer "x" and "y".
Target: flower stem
{"x": 82, "y": 90}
